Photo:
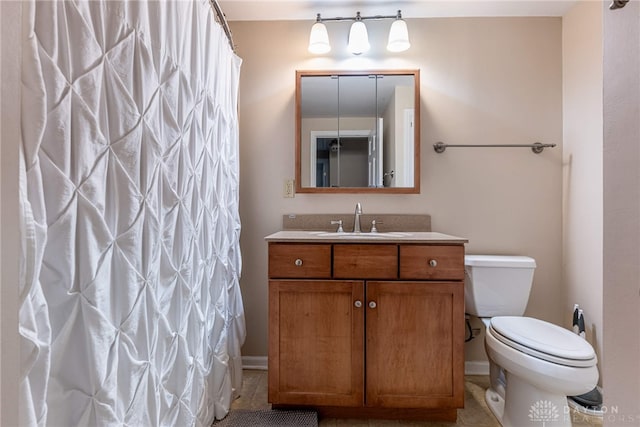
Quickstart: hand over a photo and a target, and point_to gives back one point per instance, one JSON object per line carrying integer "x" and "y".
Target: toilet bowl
{"x": 533, "y": 364}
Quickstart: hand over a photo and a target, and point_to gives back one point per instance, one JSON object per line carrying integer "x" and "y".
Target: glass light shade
{"x": 358, "y": 38}
{"x": 398, "y": 36}
{"x": 319, "y": 39}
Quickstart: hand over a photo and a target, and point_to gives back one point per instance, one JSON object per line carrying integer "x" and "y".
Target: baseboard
{"x": 476, "y": 368}
{"x": 260, "y": 363}
{"x": 254, "y": 362}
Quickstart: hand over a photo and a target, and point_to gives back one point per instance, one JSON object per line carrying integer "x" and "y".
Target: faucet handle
{"x": 339, "y": 223}
{"x": 373, "y": 225}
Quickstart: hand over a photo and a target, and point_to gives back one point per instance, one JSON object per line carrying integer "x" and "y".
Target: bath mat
{"x": 268, "y": 418}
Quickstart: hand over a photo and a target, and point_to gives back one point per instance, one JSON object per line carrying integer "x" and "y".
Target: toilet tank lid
{"x": 504, "y": 261}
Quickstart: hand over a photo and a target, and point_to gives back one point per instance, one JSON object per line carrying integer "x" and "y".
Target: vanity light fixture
{"x": 358, "y": 37}
{"x": 398, "y": 35}
{"x": 319, "y": 38}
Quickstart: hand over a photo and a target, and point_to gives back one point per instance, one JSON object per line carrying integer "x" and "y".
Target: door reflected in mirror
{"x": 341, "y": 163}
{"x": 357, "y": 132}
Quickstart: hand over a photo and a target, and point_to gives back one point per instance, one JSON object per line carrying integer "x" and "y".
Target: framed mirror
{"x": 358, "y": 131}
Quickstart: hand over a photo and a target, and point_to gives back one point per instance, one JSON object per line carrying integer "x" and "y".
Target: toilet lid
{"x": 543, "y": 340}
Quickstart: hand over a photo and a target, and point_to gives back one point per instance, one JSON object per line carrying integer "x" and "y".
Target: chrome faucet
{"x": 356, "y": 219}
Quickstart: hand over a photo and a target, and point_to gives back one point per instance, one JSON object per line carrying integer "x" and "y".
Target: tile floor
{"x": 475, "y": 413}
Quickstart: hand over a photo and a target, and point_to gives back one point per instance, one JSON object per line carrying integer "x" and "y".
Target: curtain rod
{"x": 536, "y": 147}
{"x": 223, "y": 21}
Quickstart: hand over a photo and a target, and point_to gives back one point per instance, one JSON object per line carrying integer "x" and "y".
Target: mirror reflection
{"x": 357, "y": 132}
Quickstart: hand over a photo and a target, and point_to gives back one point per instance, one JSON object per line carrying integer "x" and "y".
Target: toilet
{"x": 533, "y": 364}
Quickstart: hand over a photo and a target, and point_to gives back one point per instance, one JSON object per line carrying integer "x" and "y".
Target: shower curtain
{"x": 130, "y": 309}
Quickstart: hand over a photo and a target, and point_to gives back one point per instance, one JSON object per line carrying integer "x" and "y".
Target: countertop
{"x": 388, "y": 237}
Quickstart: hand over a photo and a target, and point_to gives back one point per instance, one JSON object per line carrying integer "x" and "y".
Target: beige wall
{"x": 582, "y": 166}
{"x": 487, "y": 80}
{"x": 621, "y": 367}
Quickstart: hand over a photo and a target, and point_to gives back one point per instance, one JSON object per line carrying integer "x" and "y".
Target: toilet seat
{"x": 543, "y": 340}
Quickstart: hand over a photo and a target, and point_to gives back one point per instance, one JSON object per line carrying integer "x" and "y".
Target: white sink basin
{"x": 348, "y": 235}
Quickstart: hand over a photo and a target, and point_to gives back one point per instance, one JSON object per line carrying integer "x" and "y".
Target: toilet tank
{"x": 497, "y": 285}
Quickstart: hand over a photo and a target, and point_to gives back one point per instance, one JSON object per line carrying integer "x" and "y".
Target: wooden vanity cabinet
{"x": 316, "y": 342}
{"x": 374, "y": 335}
{"x": 414, "y": 342}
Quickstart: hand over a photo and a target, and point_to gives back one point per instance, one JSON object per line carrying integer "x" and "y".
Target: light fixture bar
{"x": 358, "y": 37}
{"x": 362, "y": 18}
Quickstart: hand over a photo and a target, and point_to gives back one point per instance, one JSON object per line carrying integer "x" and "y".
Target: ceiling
{"x": 268, "y": 10}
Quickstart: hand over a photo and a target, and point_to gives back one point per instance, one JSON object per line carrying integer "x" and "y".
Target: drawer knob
{"x": 372, "y": 304}
{"x": 358, "y": 303}
{"x": 298, "y": 262}
{"x": 433, "y": 263}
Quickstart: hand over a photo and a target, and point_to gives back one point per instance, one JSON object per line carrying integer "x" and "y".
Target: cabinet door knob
{"x": 358, "y": 303}
{"x": 372, "y": 304}
{"x": 298, "y": 262}
{"x": 433, "y": 263}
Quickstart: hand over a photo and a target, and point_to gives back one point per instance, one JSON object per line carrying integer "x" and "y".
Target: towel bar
{"x": 536, "y": 147}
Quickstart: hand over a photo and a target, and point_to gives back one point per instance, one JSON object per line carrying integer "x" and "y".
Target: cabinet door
{"x": 415, "y": 344}
{"x": 316, "y": 342}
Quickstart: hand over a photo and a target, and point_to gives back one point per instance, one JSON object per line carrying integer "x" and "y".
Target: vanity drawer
{"x": 293, "y": 260}
{"x": 355, "y": 261}
{"x": 432, "y": 262}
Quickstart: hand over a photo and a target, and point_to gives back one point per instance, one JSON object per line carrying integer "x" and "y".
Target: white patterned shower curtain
{"x": 130, "y": 310}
